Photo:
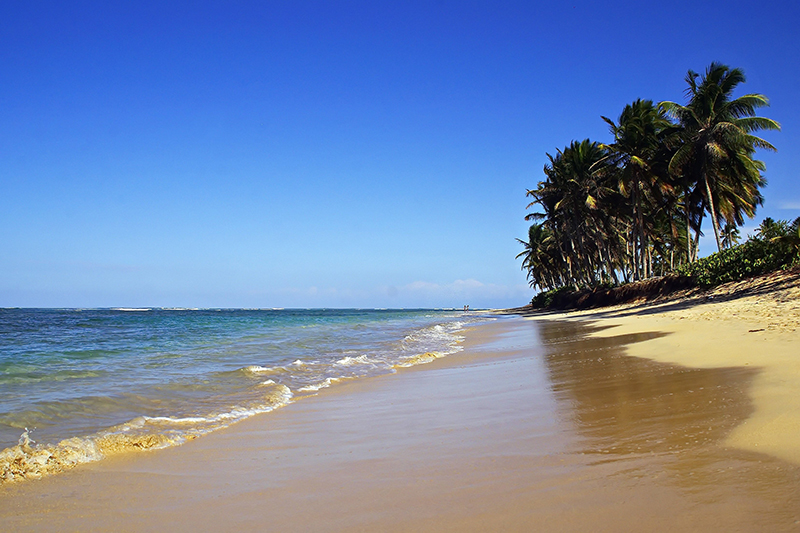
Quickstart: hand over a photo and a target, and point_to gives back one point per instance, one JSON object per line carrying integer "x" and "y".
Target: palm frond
{"x": 751, "y": 124}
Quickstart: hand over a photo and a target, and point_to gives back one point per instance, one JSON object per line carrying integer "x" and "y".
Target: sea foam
{"x": 28, "y": 460}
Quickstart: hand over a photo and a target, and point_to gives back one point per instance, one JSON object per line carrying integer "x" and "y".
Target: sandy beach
{"x": 678, "y": 416}
{"x": 430, "y": 267}
{"x": 752, "y": 323}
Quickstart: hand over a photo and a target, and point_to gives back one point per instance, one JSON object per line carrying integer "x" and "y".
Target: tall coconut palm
{"x": 540, "y": 258}
{"x": 639, "y": 137}
{"x": 717, "y": 130}
{"x": 571, "y": 197}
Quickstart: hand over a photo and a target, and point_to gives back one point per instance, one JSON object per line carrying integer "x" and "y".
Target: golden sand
{"x": 752, "y": 323}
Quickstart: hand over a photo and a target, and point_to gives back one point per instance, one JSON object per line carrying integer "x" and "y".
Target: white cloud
{"x": 789, "y": 205}
{"x": 421, "y": 286}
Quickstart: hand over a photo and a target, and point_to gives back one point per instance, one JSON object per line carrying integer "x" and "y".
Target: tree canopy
{"x": 634, "y": 207}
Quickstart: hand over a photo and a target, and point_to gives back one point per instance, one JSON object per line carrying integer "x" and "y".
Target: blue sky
{"x": 329, "y": 154}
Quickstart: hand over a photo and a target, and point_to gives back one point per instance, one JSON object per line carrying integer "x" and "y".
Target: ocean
{"x": 77, "y": 385}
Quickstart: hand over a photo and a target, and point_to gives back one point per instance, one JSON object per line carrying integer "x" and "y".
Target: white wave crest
{"x": 30, "y": 461}
{"x": 256, "y": 369}
{"x": 321, "y": 385}
{"x": 350, "y": 361}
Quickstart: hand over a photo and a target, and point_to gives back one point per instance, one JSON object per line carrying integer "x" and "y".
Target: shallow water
{"x": 77, "y": 385}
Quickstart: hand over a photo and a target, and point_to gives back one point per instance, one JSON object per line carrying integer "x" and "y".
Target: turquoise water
{"x": 77, "y": 385}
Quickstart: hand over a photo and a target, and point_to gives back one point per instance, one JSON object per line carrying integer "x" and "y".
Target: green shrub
{"x": 754, "y": 257}
{"x": 545, "y": 299}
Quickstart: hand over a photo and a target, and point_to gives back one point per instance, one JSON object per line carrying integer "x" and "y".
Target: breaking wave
{"x": 28, "y": 460}
{"x": 190, "y": 372}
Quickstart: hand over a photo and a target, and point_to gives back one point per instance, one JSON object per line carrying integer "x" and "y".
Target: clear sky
{"x": 330, "y": 154}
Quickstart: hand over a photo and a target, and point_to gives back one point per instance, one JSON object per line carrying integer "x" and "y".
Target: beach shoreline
{"x": 605, "y": 420}
{"x": 748, "y": 323}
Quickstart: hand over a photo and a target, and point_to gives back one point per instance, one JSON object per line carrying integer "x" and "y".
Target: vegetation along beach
{"x": 308, "y": 266}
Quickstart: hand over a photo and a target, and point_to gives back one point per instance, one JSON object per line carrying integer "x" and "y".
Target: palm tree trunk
{"x": 638, "y": 250}
{"x": 641, "y": 264}
{"x": 611, "y": 270}
{"x": 696, "y": 243}
{"x": 713, "y": 212}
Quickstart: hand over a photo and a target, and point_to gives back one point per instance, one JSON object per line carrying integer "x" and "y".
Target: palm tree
{"x": 718, "y": 143}
{"x": 638, "y": 140}
{"x": 571, "y": 197}
{"x": 539, "y": 258}
{"x": 730, "y": 235}
{"x": 771, "y": 229}
{"x": 791, "y": 237}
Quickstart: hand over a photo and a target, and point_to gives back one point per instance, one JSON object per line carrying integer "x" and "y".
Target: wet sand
{"x": 538, "y": 425}
{"x": 753, "y": 323}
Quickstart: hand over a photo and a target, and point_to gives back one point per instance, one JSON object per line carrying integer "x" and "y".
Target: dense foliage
{"x": 774, "y": 248}
{"x": 634, "y": 208}
{"x": 546, "y": 299}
